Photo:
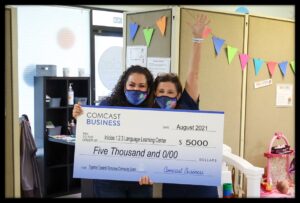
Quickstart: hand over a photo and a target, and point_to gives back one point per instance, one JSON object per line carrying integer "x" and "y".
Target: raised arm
{"x": 191, "y": 84}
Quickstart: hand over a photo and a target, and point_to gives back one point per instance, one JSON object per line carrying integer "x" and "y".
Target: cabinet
{"x": 56, "y": 158}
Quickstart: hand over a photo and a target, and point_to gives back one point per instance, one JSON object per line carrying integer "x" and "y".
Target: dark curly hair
{"x": 118, "y": 98}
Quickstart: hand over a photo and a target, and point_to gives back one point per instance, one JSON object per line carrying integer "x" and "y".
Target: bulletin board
{"x": 220, "y": 82}
{"x": 270, "y": 40}
{"x": 160, "y": 45}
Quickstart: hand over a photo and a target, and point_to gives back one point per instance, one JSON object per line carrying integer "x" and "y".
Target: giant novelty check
{"x": 169, "y": 146}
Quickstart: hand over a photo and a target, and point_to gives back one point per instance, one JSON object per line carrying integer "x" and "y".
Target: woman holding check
{"x": 168, "y": 94}
{"x": 132, "y": 90}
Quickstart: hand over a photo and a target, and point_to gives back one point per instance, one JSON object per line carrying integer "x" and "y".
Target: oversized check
{"x": 169, "y": 146}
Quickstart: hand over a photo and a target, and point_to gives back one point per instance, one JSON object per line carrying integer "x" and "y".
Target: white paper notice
{"x": 284, "y": 95}
{"x": 136, "y": 55}
{"x": 158, "y": 65}
{"x": 263, "y": 83}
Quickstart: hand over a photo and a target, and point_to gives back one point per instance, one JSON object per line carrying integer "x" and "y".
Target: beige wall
{"x": 12, "y": 134}
{"x": 220, "y": 83}
{"x": 271, "y": 40}
{"x": 250, "y": 125}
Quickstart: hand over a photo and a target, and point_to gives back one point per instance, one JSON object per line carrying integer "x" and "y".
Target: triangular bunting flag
{"x": 242, "y": 9}
{"x": 257, "y": 65}
{"x": 271, "y": 67}
{"x": 231, "y": 51}
{"x": 282, "y": 67}
{"x": 206, "y": 31}
{"x": 293, "y": 65}
{"x": 148, "y": 35}
{"x": 161, "y": 24}
{"x": 244, "y": 60}
{"x": 133, "y": 27}
{"x": 218, "y": 43}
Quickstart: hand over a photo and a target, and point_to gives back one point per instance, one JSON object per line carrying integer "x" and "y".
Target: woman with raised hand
{"x": 169, "y": 94}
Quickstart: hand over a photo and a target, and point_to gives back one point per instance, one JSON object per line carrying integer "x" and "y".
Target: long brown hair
{"x": 118, "y": 97}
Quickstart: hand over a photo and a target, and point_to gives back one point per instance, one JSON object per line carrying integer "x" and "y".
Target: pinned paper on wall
{"x": 284, "y": 95}
{"x": 148, "y": 35}
{"x": 263, "y": 83}
{"x": 257, "y": 64}
{"x": 158, "y": 65}
{"x": 136, "y": 55}
{"x": 161, "y": 24}
{"x": 244, "y": 60}
{"x": 206, "y": 31}
{"x": 231, "y": 51}
{"x": 282, "y": 67}
{"x": 293, "y": 65}
{"x": 218, "y": 43}
{"x": 133, "y": 27}
{"x": 271, "y": 67}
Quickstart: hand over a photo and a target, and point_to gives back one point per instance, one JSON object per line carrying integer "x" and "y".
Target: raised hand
{"x": 77, "y": 111}
{"x": 199, "y": 25}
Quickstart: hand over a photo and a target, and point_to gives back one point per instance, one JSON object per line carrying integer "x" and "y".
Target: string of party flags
{"x": 218, "y": 43}
{"x": 161, "y": 23}
{"x": 244, "y": 58}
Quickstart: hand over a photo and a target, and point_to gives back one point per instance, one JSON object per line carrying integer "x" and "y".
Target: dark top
{"x": 120, "y": 189}
{"x": 186, "y": 102}
{"x": 184, "y": 190}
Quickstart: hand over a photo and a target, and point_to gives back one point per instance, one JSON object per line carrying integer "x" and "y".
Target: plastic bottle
{"x": 73, "y": 128}
{"x": 70, "y": 95}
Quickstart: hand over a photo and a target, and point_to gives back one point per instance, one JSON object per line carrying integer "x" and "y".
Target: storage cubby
{"x": 56, "y": 167}
{"x": 57, "y": 181}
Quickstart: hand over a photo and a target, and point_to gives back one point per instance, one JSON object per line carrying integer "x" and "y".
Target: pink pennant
{"x": 244, "y": 60}
{"x": 271, "y": 66}
{"x": 206, "y": 31}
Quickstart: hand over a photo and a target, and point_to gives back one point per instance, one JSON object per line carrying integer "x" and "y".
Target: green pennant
{"x": 231, "y": 51}
{"x": 293, "y": 65}
{"x": 148, "y": 35}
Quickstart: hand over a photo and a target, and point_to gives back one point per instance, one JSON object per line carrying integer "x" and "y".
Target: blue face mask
{"x": 165, "y": 102}
{"x": 135, "y": 97}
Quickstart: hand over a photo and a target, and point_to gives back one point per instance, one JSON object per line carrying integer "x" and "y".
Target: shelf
{"x": 57, "y": 180}
{"x": 75, "y": 183}
{"x": 56, "y": 165}
{"x": 61, "y": 141}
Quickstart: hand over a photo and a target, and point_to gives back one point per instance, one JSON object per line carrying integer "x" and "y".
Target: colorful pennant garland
{"x": 293, "y": 65}
{"x": 161, "y": 24}
{"x": 133, "y": 27}
{"x": 231, "y": 51}
{"x": 218, "y": 43}
{"x": 206, "y": 32}
{"x": 271, "y": 66}
{"x": 148, "y": 35}
{"x": 282, "y": 67}
{"x": 244, "y": 60}
{"x": 257, "y": 65}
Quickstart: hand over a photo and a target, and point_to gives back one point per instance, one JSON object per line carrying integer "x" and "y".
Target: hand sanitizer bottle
{"x": 70, "y": 95}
